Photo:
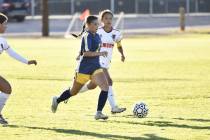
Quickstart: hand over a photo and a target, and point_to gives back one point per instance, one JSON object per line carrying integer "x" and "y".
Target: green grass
{"x": 170, "y": 73}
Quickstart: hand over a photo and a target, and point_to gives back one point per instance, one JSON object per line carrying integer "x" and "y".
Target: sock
{"x": 64, "y": 96}
{"x": 3, "y": 99}
{"x": 111, "y": 98}
{"x": 102, "y": 100}
{"x": 84, "y": 89}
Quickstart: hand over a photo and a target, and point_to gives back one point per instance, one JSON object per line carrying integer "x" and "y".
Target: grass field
{"x": 170, "y": 73}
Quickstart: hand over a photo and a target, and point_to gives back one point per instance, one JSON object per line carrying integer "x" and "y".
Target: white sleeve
{"x": 119, "y": 36}
{"x": 16, "y": 56}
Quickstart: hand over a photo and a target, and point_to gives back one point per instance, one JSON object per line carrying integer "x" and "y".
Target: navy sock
{"x": 64, "y": 96}
{"x": 102, "y": 100}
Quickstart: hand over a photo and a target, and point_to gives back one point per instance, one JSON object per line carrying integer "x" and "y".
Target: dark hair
{"x": 104, "y": 12}
{"x": 3, "y": 18}
{"x": 88, "y": 20}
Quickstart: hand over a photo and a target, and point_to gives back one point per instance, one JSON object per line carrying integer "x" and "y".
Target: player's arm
{"x": 78, "y": 56}
{"x": 93, "y": 54}
{"x": 87, "y": 41}
{"x": 120, "y": 49}
{"x": 18, "y": 57}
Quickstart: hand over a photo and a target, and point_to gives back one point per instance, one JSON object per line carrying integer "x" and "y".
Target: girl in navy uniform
{"x": 109, "y": 37}
{"x": 88, "y": 69}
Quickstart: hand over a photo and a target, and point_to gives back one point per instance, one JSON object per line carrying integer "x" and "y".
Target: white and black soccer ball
{"x": 140, "y": 110}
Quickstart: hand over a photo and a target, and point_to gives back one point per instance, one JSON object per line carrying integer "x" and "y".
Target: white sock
{"x": 3, "y": 99}
{"x": 84, "y": 89}
{"x": 111, "y": 98}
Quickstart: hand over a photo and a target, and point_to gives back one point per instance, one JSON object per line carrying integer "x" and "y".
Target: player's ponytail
{"x": 88, "y": 20}
{"x": 83, "y": 30}
{"x": 3, "y": 18}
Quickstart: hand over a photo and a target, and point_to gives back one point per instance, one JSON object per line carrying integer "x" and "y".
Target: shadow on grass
{"x": 126, "y": 80}
{"x": 92, "y": 134}
{"x": 197, "y": 120}
{"x": 42, "y": 79}
{"x": 164, "y": 124}
{"x": 134, "y": 80}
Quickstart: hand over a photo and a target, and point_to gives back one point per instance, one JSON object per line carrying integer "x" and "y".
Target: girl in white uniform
{"x": 109, "y": 37}
{"x": 5, "y": 87}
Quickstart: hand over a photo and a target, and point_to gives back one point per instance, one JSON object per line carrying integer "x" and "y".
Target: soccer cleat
{"x": 54, "y": 105}
{"x": 3, "y": 121}
{"x": 100, "y": 115}
{"x": 117, "y": 109}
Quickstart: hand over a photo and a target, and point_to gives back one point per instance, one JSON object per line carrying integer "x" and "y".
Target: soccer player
{"x": 5, "y": 87}
{"x": 109, "y": 36}
{"x": 88, "y": 69}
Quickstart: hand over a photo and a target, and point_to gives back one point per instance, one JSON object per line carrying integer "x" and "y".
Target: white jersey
{"x": 5, "y": 47}
{"x": 108, "y": 40}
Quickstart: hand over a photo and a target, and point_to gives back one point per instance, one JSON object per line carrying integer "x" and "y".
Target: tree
{"x": 45, "y": 18}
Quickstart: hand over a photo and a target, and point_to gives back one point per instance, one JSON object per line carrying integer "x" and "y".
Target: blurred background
{"x": 59, "y": 17}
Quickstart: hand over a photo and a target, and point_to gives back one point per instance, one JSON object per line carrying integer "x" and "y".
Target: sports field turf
{"x": 170, "y": 73}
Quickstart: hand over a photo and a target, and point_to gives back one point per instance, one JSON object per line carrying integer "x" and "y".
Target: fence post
{"x": 112, "y": 5}
{"x": 45, "y": 18}
{"x": 72, "y": 7}
{"x": 182, "y": 18}
{"x": 196, "y": 6}
{"x": 187, "y": 7}
{"x": 136, "y": 7}
{"x": 151, "y": 7}
{"x": 32, "y": 9}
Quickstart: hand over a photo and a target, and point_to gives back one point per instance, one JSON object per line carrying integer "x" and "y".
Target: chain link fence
{"x": 67, "y": 7}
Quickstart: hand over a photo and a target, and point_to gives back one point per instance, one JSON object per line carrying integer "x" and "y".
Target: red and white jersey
{"x": 108, "y": 40}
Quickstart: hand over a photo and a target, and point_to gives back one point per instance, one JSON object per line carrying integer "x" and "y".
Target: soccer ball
{"x": 140, "y": 110}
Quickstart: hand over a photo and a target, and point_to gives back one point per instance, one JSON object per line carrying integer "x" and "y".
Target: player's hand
{"x": 123, "y": 58}
{"x": 30, "y": 62}
{"x": 104, "y": 54}
{"x": 78, "y": 58}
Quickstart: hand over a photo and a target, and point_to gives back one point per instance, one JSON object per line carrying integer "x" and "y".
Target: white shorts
{"x": 105, "y": 62}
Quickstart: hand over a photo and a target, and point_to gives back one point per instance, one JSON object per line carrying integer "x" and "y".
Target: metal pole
{"x": 188, "y": 6}
{"x": 32, "y": 9}
{"x": 136, "y": 6}
{"x": 166, "y": 6}
{"x": 72, "y": 7}
{"x": 196, "y": 6}
{"x": 112, "y": 5}
{"x": 151, "y": 7}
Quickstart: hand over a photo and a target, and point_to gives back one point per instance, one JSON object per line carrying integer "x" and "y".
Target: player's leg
{"x": 5, "y": 91}
{"x": 79, "y": 81}
{"x": 111, "y": 98}
{"x": 88, "y": 86}
{"x": 100, "y": 80}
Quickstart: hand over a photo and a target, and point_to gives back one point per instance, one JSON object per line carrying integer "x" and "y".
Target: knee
{"x": 7, "y": 89}
{"x": 73, "y": 92}
{"x": 110, "y": 82}
{"x": 105, "y": 86}
{"x": 91, "y": 87}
